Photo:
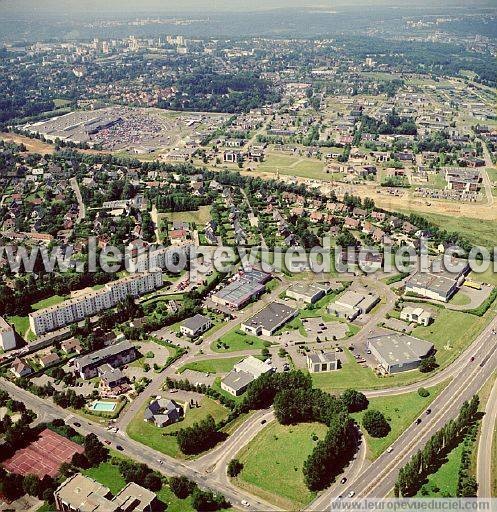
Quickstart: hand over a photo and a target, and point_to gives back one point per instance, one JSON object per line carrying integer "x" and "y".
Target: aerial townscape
{"x": 247, "y": 254}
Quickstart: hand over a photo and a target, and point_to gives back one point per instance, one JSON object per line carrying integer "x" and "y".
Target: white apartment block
{"x": 76, "y": 309}
{"x": 7, "y": 336}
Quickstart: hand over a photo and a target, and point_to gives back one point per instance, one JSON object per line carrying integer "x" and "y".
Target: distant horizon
{"x": 174, "y": 7}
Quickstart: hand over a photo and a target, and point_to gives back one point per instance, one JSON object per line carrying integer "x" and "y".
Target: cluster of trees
{"x": 199, "y": 437}
{"x": 14, "y": 433}
{"x": 202, "y": 500}
{"x": 69, "y": 398}
{"x": 393, "y": 124}
{"x": 140, "y": 474}
{"x": 13, "y": 486}
{"x": 206, "y": 91}
{"x": 432, "y": 456}
{"x": 375, "y": 423}
{"x": 30, "y": 288}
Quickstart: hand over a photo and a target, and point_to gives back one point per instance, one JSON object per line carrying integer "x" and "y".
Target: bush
{"x": 428, "y": 365}
{"x": 375, "y": 423}
{"x": 234, "y": 468}
{"x": 181, "y": 486}
{"x": 423, "y": 392}
{"x": 354, "y": 400}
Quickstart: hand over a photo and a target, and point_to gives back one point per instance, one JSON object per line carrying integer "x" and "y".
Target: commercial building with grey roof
{"x": 398, "y": 352}
{"x": 322, "y": 362}
{"x": 195, "y": 325}
{"x": 269, "y": 319}
{"x": 238, "y": 293}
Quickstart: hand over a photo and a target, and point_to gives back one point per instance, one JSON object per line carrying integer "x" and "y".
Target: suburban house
{"x": 71, "y": 345}
{"x": 20, "y": 369}
{"x": 399, "y": 352}
{"x": 243, "y": 373}
{"x": 81, "y": 493}
{"x": 267, "y": 321}
{"x": 417, "y": 315}
{"x": 115, "y": 355}
{"x": 112, "y": 381}
{"x": 195, "y": 326}
{"x": 49, "y": 359}
{"x": 163, "y": 412}
{"x": 322, "y": 362}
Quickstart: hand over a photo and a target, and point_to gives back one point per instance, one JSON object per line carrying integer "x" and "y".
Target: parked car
{"x": 343, "y": 480}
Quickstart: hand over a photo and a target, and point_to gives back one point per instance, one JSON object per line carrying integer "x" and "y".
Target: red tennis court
{"x": 43, "y": 456}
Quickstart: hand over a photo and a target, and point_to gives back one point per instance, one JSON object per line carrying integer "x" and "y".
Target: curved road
{"x": 485, "y": 446}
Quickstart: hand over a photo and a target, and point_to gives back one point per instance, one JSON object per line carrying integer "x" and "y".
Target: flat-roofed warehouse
{"x": 432, "y": 286}
{"x": 398, "y": 352}
{"x": 309, "y": 293}
{"x": 269, "y": 319}
{"x": 238, "y": 293}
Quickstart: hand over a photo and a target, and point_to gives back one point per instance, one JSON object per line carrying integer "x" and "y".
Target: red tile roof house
{"x": 351, "y": 223}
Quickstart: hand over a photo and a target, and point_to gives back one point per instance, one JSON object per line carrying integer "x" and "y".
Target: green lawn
{"x": 200, "y": 217}
{"x": 353, "y": 375}
{"x": 294, "y": 166}
{"x": 477, "y": 231}
{"x": 444, "y": 481}
{"x": 107, "y": 474}
{"x": 489, "y": 276}
{"x": 273, "y": 463}
{"x": 50, "y": 301}
{"x": 460, "y": 299}
{"x": 223, "y": 365}
{"x": 20, "y": 323}
{"x": 451, "y": 332}
{"x": 234, "y": 341}
{"x": 400, "y": 411}
{"x": 156, "y": 437}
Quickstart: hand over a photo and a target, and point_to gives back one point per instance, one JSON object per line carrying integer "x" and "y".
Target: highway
{"x": 363, "y": 478}
{"x": 485, "y": 446}
{"x": 378, "y": 479}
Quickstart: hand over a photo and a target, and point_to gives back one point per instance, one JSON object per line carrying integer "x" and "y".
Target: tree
{"x": 354, "y": 400}
{"x": 95, "y": 451}
{"x": 31, "y": 485}
{"x": 423, "y": 392}
{"x": 234, "y": 467}
{"x": 153, "y": 481}
{"x": 375, "y": 423}
{"x": 199, "y": 437}
{"x": 428, "y": 365}
{"x": 207, "y": 500}
{"x": 181, "y": 486}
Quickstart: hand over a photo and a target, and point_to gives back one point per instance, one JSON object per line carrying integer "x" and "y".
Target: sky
{"x": 175, "y": 6}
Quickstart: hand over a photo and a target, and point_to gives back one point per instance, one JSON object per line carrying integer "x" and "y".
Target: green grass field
{"x": 444, "y": 482}
{"x": 353, "y": 375}
{"x": 234, "y": 341}
{"x": 154, "y": 437}
{"x": 273, "y": 463}
{"x": 20, "y": 323}
{"x": 50, "y": 301}
{"x": 478, "y": 231}
{"x": 294, "y": 166}
{"x": 400, "y": 411}
{"x": 107, "y": 474}
{"x": 199, "y": 217}
{"x": 454, "y": 329}
{"x": 489, "y": 276}
{"x": 223, "y": 365}
{"x": 460, "y": 299}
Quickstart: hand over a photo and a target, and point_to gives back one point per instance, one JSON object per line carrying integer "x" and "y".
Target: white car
{"x": 351, "y": 494}
{"x": 245, "y": 503}
{"x": 389, "y": 449}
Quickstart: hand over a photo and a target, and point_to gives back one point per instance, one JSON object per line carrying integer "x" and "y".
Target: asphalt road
{"x": 485, "y": 446}
{"x": 378, "y": 479}
{"x": 137, "y": 451}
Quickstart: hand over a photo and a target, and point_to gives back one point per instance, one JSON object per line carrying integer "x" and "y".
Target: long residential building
{"x": 91, "y": 303}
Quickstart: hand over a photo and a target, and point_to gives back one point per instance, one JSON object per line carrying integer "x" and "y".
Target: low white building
{"x": 243, "y": 373}
{"x": 417, "y": 315}
{"x": 322, "y": 362}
